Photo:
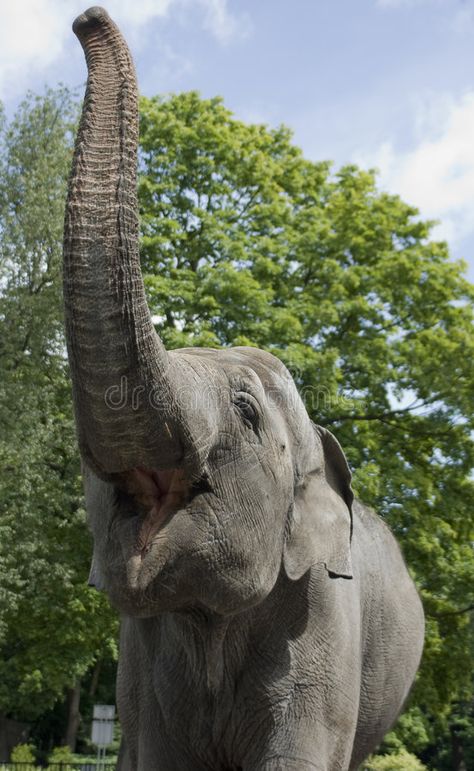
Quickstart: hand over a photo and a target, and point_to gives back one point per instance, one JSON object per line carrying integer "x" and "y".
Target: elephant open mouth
{"x": 155, "y": 510}
{"x": 159, "y": 493}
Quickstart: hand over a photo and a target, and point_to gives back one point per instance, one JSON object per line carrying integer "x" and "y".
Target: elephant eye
{"x": 247, "y": 407}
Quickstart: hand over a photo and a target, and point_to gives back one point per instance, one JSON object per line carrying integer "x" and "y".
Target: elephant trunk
{"x": 125, "y": 411}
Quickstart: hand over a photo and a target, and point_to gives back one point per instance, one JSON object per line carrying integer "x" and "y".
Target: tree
{"x": 52, "y": 626}
{"x": 246, "y": 242}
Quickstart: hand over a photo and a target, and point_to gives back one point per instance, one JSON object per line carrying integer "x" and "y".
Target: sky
{"x": 381, "y": 83}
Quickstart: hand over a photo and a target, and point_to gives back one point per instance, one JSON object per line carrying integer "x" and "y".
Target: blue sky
{"x": 386, "y": 83}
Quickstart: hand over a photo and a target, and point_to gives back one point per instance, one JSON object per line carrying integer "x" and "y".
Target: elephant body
{"x": 268, "y": 619}
{"x": 311, "y": 678}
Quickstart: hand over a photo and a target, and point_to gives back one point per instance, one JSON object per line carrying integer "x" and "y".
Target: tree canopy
{"x": 53, "y": 628}
{"x": 244, "y": 241}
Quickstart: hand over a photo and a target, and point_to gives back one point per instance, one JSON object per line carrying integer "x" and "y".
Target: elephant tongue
{"x": 160, "y": 493}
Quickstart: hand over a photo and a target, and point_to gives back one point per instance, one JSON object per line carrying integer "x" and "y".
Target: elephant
{"x": 268, "y": 620}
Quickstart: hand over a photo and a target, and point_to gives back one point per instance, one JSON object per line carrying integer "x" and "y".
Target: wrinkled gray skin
{"x": 268, "y": 620}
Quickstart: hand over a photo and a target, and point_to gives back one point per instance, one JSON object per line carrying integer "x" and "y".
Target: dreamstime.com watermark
{"x": 316, "y": 399}
{"x": 207, "y": 399}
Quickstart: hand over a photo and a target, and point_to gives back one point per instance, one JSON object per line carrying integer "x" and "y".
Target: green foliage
{"x": 402, "y": 761}
{"x": 65, "y": 757}
{"x": 23, "y": 753}
{"x": 111, "y": 759}
{"x": 52, "y": 626}
{"x": 453, "y": 746}
{"x": 61, "y": 755}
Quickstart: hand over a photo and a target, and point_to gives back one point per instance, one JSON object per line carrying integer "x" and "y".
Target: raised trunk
{"x": 120, "y": 368}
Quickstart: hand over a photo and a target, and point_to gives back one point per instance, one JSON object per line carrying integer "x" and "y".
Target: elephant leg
{"x": 124, "y": 763}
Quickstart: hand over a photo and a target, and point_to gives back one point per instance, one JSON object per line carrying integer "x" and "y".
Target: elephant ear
{"x": 320, "y": 526}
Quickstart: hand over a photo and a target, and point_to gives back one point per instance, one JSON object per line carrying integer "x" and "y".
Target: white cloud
{"x": 33, "y": 33}
{"x": 437, "y": 173}
{"x": 222, "y": 23}
{"x": 140, "y": 11}
{"x": 216, "y": 15}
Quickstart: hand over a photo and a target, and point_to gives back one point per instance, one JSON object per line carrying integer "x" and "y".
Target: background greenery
{"x": 244, "y": 241}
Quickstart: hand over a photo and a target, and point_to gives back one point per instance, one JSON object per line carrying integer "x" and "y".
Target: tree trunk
{"x": 73, "y": 715}
{"x": 458, "y": 762}
{"x": 12, "y": 732}
{"x": 95, "y": 677}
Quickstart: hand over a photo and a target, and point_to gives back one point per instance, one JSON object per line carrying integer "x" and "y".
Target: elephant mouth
{"x": 160, "y": 494}
{"x": 147, "y": 537}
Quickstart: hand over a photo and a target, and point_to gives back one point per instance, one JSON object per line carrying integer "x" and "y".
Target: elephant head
{"x": 204, "y": 474}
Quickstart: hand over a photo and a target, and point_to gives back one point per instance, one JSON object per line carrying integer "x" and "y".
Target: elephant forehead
{"x": 219, "y": 371}
{"x": 230, "y": 363}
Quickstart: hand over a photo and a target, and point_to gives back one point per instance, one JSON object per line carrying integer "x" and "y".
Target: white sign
{"x": 104, "y": 712}
{"x": 103, "y": 724}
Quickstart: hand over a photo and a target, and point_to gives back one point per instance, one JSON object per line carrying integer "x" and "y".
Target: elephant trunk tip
{"x": 89, "y": 20}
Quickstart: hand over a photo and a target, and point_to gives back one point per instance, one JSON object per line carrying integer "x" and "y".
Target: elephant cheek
{"x": 233, "y": 577}
{"x": 147, "y": 548}
{"x": 141, "y": 571}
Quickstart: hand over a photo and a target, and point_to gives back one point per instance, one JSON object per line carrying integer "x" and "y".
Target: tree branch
{"x": 452, "y": 612}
